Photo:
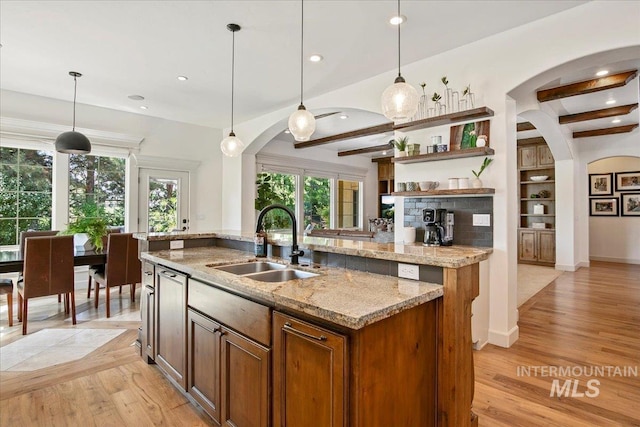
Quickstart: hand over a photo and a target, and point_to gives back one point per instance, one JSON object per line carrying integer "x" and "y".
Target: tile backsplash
{"x": 464, "y": 233}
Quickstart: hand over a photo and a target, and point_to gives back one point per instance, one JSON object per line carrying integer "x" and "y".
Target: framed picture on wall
{"x": 603, "y": 207}
{"x": 630, "y": 204}
{"x": 601, "y": 184}
{"x": 628, "y": 181}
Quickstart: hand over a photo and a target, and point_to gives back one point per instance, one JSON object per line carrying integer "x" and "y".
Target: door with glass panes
{"x": 163, "y": 201}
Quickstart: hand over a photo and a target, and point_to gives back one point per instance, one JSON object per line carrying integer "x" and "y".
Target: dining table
{"x": 11, "y": 260}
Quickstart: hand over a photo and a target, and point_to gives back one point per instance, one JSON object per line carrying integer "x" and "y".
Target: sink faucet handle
{"x": 296, "y": 252}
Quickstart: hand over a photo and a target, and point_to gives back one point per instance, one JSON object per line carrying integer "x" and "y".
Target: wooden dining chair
{"x": 48, "y": 270}
{"x": 123, "y": 267}
{"x": 34, "y": 233}
{"x": 100, "y": 268}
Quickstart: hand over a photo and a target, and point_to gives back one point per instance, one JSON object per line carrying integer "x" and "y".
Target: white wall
{"x": 493, "y": 66}
{"x": 615, "y": 239}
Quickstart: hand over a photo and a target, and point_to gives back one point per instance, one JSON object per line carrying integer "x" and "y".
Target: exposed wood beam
{"x": 373, "y": 130}
{"x": 384, "y": 159}
{"x": 605, "y": 131}
{"x": 372, "y": 149}
{"x": 525, "y": 126}
{"x": 531, "y": 141}
{"x": 587, "y": 86}
{"x": 598, "y": 114}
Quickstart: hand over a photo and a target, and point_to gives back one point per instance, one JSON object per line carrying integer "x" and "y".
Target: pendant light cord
{"x": 233, "y": 70}
{"x": 301, "y": 50}
{"x": 75, "y": 89}
{"x": 399, "y": 75}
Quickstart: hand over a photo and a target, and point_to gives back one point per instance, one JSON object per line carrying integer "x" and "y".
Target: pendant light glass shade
{"x": 232, "y": 146}
{"x": 400, "y": 100}
{"x": 302, "y": 123}
{"x": 73, "y": 142}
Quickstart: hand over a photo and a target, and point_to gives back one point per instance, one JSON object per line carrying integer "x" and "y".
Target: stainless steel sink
{"x": 251, "y": 267}
{"x": 281, "y": 275}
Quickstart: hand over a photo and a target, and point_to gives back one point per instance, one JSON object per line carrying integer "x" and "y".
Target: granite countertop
{"x": 349, "y": 298}
{"x": 455, "y": 256}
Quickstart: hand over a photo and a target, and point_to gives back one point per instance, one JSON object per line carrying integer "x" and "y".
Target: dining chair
{"x": 34, "y": 233}
{"x": 123, "y": 267}
{"x": 100, "y": 267}
{"x": 6, "y": 288}
{"x": 48, "y": 270}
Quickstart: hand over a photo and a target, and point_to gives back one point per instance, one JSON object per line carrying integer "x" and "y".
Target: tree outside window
{"x": 276, "y": 188}
{"x": 317, "y": 202}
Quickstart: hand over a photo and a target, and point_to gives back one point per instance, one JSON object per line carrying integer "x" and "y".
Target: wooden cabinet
{"x": 148, "y": 313}
{"x": 171, "y": 323}
{"x": 537, "y": 246}
{"x": 229, "y": 371}
{"x": 386, "y": 181}
{"x": 310, "y": 375}
{"x": 537, "y": 204}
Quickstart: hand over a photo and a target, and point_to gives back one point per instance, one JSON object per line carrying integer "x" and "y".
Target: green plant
{"x": 487, "y": 161}
{"x": 436, "y": 97}
{"x": 90, "y": 220}
{"x": 467, "y": 90}
{"x": 444, "y": 81}
{"x": 423, "y": 85}
{"x": 401, "y": 143}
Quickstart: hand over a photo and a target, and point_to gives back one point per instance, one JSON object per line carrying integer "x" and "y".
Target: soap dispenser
{"x": 260, "y": 243}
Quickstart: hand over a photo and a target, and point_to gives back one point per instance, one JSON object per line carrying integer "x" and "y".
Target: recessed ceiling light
{"x": 602, "y": 73}
{"x": 144, "y": 107}
{"x": 287, "y": 131}
{"x": 136, "y": 97}
{"x": 615, "y": 121}
{"x": 398, "y": 19}
{"x": 344, "y": 116}
{"x": 316, "y": 57}
{"x": 183, "y": 78}
{"x": 611, "y": 102}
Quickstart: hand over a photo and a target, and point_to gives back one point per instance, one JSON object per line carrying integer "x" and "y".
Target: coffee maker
{"x": 438, "y": 227}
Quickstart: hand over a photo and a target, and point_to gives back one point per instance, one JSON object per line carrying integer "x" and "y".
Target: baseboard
{"x": 569, "y": 267}
{"x": 502, "y": 339}
{"x": 479, "y": 345}
{"x": 618, "y": 260}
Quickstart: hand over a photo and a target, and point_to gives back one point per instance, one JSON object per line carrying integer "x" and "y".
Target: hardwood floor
{"x": 590, "y": 317}
{"x": 583, "y": 319}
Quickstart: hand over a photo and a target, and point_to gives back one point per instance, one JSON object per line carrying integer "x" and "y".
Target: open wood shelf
{"x": 447, "y": 155}
{"x": 529, "y": 199}
{"x": 438, "y": 193}
{"x": 538, "y": 182}
{"x": 537, "y": 215}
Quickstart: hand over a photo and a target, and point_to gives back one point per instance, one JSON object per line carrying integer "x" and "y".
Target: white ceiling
{"x": 140, "y": 47}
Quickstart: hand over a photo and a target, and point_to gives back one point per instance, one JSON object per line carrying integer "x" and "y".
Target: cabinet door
{"x": 309, "y": 370}
{"x": 545, "y": 158}
{"x": 547, "y": 246}
{"x": 245, "y": 382}
{"x": 527, "y": 247}
{"x": 148, "y": 326}
{"x": 527, "y": 157}
{"x": 383, "y": 171}
{"x": 171, "y": 325}
{"x": 203, "y": 350}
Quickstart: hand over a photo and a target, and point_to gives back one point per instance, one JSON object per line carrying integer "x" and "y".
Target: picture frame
{"x": 457, "y": 139}
{"x": 630, "y": 204}
{"x": 601, "y": 184}
{"x": 603, "y": 207}
{"x": 628, "y": 181}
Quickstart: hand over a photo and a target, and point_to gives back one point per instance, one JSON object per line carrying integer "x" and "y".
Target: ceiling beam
{"x": 531, "y": 141}
{"x": 525, "y": 126}
{"x": 598, "y": 114}
{"x": 384, "y": 159}
{"x": 372, "y": 149}
{"x": 605, "y": 131}
{"x": 587, "y": 86}
{"x": 373, "y": 130}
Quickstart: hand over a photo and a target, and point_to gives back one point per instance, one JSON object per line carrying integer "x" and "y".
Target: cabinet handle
{"x": 287, "y": 326}
{"x": 166, "y": 273}
{"x": 148, "y": 273}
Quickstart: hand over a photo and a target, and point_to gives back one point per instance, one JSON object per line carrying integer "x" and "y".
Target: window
{"x": 276, "y": 188}
{"x": 97, "y": 180}
{"x": 348, "y": 201}
{"x": 317, "y": 202}
{"x": 25, "y": 192}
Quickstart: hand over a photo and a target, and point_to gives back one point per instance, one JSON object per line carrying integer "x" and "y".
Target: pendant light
{"x": 302, "y": 124}
{"x": 73, "y": 142}
{"x": 231, "y": 146}
{"x": 400, "y": 100}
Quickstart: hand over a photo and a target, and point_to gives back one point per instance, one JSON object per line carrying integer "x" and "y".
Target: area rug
{"x": 532, "y": 279}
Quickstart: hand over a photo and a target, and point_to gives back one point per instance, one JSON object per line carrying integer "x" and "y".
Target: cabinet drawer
{"x": 148, "y": 274}
{"x": 247, "y": 317}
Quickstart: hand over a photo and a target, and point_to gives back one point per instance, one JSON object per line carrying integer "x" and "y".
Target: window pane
{"x": 34, "y": 178}
{"x": 317, "y": 202}
{"x": 348, "y": 204}
{"x": 276, "y": 188}
{"x": 8, "y": 232}
{"x": 8, "y": 204}
{"x": 97, "y": 180}
{"x": 25, "y": 224}
{"x": 34, "y": 205}
{"x": 9, "y": 155}
{"x": 163, "y": 205}
{"x": 35, "y": 158}
{"x": 8, "y": 178}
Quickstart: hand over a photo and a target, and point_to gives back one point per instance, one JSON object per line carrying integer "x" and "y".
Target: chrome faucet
{"x": 295, "y": 252}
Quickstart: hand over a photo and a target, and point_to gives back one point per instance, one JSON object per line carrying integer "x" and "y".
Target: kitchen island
{"x": 345, "y": 347}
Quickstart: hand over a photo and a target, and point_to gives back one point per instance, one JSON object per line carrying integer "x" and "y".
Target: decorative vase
{"x": 422, "y": 108}
{"x": 481, "y": 141}
{"x": 476, "y": 183}
{"x": 401, "y": 154}
{"x": 447, "y": 100}
{"x": 82, "y": 242}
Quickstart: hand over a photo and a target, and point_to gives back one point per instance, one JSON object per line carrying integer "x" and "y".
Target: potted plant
{"x": 401, "y": 145}
{"x": 89, "y": 227}
{"x": 477, "y": 183}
